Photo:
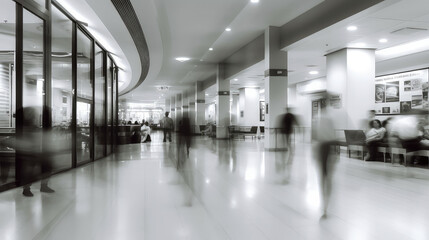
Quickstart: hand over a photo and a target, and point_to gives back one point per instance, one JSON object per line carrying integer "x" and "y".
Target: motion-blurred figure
{"x": 374, "y": 136}
{"x": 184, "y": 165}
{"x": 323, "y": 143}
{"x": 167, "y": 125}
{"x": 284, "y": 159}
{"x": 409, "y": 131}
{"x": 33, "y": 151}
{"x": 145, "y": 132}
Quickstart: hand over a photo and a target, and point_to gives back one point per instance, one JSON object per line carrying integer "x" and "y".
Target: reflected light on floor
{"x": 250, "y": 174}
{"x": 250, "y": 191}
{"x": 231, "y": 165}
{"x": 312, "y": 198}
{"x": 263, "y": 166}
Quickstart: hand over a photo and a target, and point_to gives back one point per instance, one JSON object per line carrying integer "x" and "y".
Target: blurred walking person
{"x": 184, "y": 165}
{"x": 168, "y": 126}
{"x": 284, "y": 159}
{"x": 33, "y": 151}
{"x": 323, "y": 144}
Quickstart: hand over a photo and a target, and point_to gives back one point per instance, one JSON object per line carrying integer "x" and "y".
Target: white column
{"x": 200, "y": 108}
{"x": 179, "y": 105}
{"x": 173, "y": 108}
{"x": 191, "y": 110}
{"x": 275, "y": 87}
{"x": 350, "y": 74}
{"x": 235, "y": 114}
{"x": 185, "y": 105}
{"x": 222, "y": 103}
{"x": 167, "y": 105}
{"x": 249, "y": 107}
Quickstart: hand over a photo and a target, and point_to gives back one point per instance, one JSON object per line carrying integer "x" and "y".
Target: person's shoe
{"x": 27, "y": 192}
{"x": 46, "y": 189}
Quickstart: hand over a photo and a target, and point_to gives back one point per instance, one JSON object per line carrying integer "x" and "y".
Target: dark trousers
{"x": 372, "y": 150}
{"x": 167, "y": 131}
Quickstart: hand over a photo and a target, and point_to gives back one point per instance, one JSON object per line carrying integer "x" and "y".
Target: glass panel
{"x": 7, "y": 93}
{"x": 84, "y": 45}
{"x": 109, "y": 106}
{"x": 99, "y": 98}
{"x": 83, "y": 132}
{"x": 62, "y": 96}
{"x": 115, "y": 113}
{"x": 84, "y": 94}
{"x": 30, "y": 146}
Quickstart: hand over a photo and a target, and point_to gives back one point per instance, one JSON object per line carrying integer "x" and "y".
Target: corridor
{"x": 238, "y": 193}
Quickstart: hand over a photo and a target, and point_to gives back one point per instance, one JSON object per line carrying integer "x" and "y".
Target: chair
{"x": 355, "y": 140}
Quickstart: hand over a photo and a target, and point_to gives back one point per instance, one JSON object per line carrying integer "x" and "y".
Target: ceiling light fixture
{"x": 383, "y": 40}
{"x": 352, "y": 28}
{"x": 207, "y": 94}
{"x": 210, "y": 49}
{"x": 182, "y": 59}
{"x": 228, "y": 29}
{"x": 236, "y": 79}
{"x": 254, "y": 1}
{"x": 313, "y": 72}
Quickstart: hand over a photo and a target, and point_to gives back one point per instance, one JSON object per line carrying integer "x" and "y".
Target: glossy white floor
{"x": 238, "y": 194}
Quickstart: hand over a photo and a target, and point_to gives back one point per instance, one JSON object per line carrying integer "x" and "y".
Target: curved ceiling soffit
{"x": 129, "y": 17}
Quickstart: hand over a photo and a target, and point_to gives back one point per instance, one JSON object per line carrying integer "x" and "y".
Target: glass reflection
{"x": 30, "y": 145}
{"x": 99, "y": 98}
{"x": 109, "y": 106}
{"x": 62, "y": 96}
{"x": 7, "y": 93}
{"x": 84, "y": 98}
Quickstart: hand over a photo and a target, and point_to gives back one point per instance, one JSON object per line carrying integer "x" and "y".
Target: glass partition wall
{"x": 58, "y": 93}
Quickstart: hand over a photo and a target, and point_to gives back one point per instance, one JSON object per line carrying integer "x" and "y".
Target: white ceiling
{"x": 188, "y": 28}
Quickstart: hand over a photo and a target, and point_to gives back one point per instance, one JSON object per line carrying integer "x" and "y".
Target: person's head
{"x": 375, "y": 123}
{"x": 136, "y": 123}
{"x": 146, "y": 123}
{"x": 129, "y": 123}
{"x": 166, "y": 114}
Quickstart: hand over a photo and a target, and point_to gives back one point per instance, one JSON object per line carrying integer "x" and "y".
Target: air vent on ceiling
{"x": 408, "y": 31}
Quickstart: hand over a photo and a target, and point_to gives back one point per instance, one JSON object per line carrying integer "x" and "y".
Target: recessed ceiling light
{"x": 207, "y": 94}
{"x": 182, "y": 59}
{"x": 210, "y": 49}
{"x": 235, "y": 79}
{"x": 383, "y": 40}
{"x": 228, "y": 29}
{"x": 313, "y": 72}
{"x": 254, "y": 1}
{"x": 352, "y": 28}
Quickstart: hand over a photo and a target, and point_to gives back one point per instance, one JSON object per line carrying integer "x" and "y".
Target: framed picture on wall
{"x": 261, "y": 111}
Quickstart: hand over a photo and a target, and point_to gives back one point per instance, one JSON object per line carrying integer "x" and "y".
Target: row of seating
{"x": 243, "y": 131}
{"x": 355, "y": 141}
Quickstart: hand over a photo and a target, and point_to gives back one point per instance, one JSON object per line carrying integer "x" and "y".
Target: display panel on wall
{"x": 399, "y": 93}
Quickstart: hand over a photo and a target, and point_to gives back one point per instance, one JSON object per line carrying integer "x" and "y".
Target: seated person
{"x": 373, "y": 136}
{"x": 145, "y": 132}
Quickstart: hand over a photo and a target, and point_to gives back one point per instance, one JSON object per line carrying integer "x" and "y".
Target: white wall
{"x": 249, "y": 104}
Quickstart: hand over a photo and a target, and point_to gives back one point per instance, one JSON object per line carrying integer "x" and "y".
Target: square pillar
{"x": 350, "y": 75}
{"x": 222, "y": 103}
{"x": 200, "y": 108}
{"x": 275, "y": 88}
